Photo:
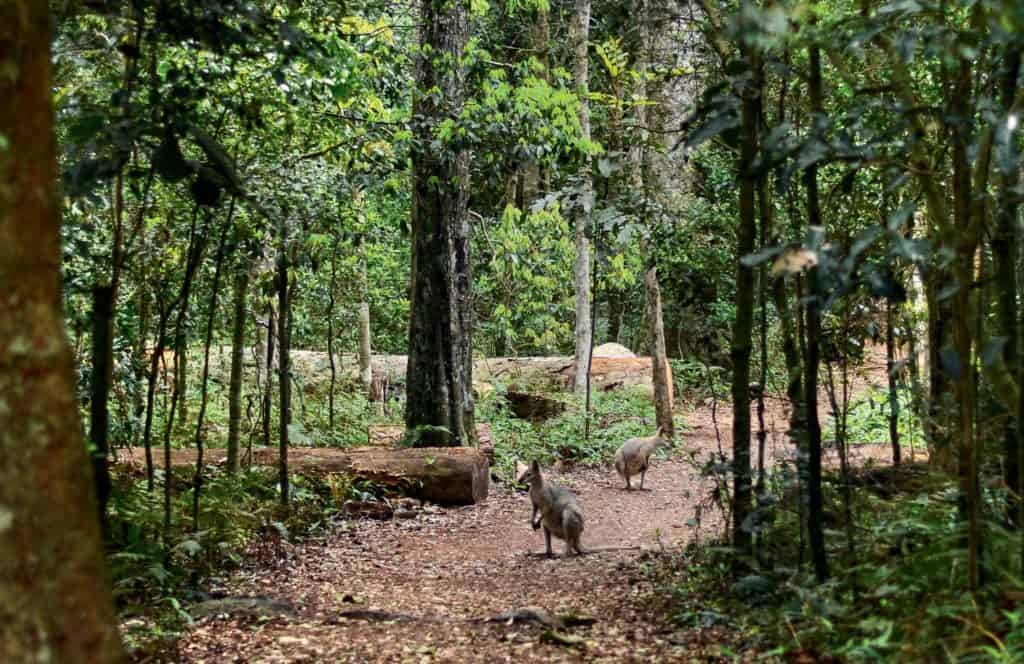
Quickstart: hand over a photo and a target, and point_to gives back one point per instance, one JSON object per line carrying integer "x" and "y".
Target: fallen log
{"x": 442, "y": 475}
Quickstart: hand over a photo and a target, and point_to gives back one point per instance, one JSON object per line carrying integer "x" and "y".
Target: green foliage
{"x": 524, "y": 281}
{"x": 869, "y": 419}
{"x": 615, "y": 417}
{"x": 149, "y": 563}
{"x": 897, "y": 599}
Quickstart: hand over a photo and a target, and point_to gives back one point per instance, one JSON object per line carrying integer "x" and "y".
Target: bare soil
{"x": 409, "y": 590}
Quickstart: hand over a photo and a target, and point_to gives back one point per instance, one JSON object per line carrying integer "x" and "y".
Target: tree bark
{"x": 181, "y": 369}
{"x": 661, "y": 372}
{"x": 196, "y": 244}
{"x": 268, "y": 390}
{"x": 154, "y": 371}
{"x": 240, "y": 313}
{"x": 894, "y": 397}
{"x": 55, "y": 601}
{"x": 139, "y": 351}
{"x": 966, "y": 244}
{"x": 439, "y": 407}
{"x": 331, "y": 287}
{"x": 365, "y": 367}
{"x": 197, "y": 486}
{"x": 742, "y": 331}
{"x": 1005, "y": 252}
{"x": 815, "y": 507}
{"x": 102, "y": 372}
{"x": 581, "y": 266}
{"x": 284, "y": 381}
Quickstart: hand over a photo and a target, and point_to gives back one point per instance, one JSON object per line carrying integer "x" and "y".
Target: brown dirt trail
{"x": 438, "y": 571}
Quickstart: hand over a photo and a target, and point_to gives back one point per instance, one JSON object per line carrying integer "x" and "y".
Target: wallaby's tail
{"x": 620, "y": 464}
{"x": 572, "y": 522}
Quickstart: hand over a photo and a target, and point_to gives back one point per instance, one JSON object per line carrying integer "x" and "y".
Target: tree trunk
{"x": 139, "y": 351}
{"x": 365, "y": 367}
{"x": 815, "y": 507}
{"x": 284, "y": 381}
{"x": 55, "y": 601}
{"x": 241, "y": 292}
{"x": 99, "y": 410}
{"x": 331, "y": 287}
{"x": 963, "y": 375}
{"x": 581, "y": 267}
{"x": 1005, "y": 252}
{"x": 192, "y": 263}
{"x": 439, "y": 406}
{"x": 742, "y": 331}
{"x": 181, "y": 370}
{"x": 765, "y": 228}
{"x": 894, "y": 397}
{"x": 661, "y": 373}
{"x": 197, "y": 486}
{"x": 616, "y": 310}
{"x": 154, "y": 371}
{"x": 268, "y": 389}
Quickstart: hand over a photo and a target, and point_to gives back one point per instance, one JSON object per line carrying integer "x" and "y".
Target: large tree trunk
{"x": 581, "y": 267}
{"x": 99, "y": 409}
{"x": 55, "y": 601}
{"x": 661, "y": 372}
{"x": 439, "y": 407}
{"x": 237, "y": 366}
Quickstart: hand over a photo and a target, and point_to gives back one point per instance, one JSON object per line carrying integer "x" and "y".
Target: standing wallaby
{"x": 635, "y": 454}
{"x": 556, "y": 508}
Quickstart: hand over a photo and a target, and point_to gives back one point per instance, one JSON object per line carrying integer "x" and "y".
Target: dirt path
{"x": 446, "y": 567}
{"x": 437, "y": 572}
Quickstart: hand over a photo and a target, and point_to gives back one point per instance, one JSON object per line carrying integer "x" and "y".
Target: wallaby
{"x": 555, "y": 508}
{"x": 635, "y": 454}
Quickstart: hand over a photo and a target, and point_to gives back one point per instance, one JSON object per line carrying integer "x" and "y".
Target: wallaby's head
{"x": 531, "y": 475}
{"x": 662, "y": 441}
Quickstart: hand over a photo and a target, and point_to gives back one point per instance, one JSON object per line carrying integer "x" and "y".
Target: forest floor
{"x": 420, "y": 589}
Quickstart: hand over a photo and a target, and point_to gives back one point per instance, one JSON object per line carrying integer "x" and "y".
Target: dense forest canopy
{"x": 274, "y": 269}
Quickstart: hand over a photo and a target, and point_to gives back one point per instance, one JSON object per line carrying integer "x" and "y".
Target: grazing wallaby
{"x": 555, "y": 508}
{"x": 635, "y": 454}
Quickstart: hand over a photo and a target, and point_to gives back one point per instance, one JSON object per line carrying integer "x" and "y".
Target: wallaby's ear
{"x": 535, "y": 466}
{"x": 660, "y": 433}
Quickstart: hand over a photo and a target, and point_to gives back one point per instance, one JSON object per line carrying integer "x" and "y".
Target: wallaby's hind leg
{"x": 643, "y": 474}
{"x": 547, "y": 542}
{"x": 629, "y": 487}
